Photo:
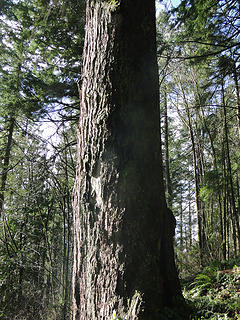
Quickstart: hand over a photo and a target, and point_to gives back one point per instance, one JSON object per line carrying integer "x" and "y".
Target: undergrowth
{"x": 214, "y": 294}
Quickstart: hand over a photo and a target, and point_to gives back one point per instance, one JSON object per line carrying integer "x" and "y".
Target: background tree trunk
{"x": 234, "y": 215}
{"x": 235, "y": 77}
{"x": 123, "y": 255}
{"x": 6, "y": 160}
{"x": 168, "y": 183}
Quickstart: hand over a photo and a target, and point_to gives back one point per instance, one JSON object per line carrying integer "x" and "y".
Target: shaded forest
{"x": 41, "y": 61}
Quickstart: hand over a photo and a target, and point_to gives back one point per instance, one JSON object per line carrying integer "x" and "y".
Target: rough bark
{"x": 123, "y": 254}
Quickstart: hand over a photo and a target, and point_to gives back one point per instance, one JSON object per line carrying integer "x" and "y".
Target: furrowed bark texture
{"x": 123, "y": 256}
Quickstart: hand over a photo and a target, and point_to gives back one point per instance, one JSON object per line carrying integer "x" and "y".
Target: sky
{"x": 175, "y": 3}
{"x": 166, "y": 3}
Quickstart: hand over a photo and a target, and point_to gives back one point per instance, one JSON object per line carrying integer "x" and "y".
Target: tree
{"x": 36, "y": 227}
{"x": 37, "y": 76}
{"x": 205, "y": 43}
{"x": 123, "y": 254}
{"x": 213, "y": 25}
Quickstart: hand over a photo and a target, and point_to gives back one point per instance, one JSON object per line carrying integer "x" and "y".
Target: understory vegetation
{"x": 215, "y": 292}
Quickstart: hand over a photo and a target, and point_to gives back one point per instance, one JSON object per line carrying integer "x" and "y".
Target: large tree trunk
{"x": 123, "y": 255}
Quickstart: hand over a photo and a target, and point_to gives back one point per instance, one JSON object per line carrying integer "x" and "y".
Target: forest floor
{"x": 214, "y": 293}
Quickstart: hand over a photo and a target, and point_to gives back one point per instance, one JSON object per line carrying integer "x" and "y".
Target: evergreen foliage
{"x": 203, "y": 103}
{"x": 41, "y": 46}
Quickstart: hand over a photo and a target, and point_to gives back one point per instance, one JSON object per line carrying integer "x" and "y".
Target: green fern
{"x": 202, "y": 282}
